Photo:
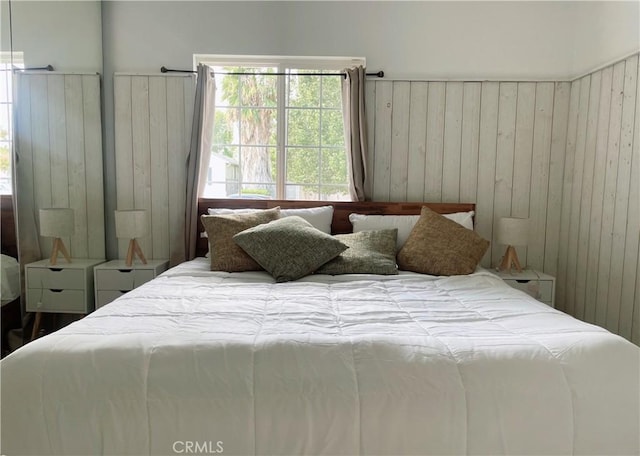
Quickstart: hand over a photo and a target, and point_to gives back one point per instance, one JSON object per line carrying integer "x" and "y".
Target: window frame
{"x": 9, "y": 62}
{"x": 282, "y": 64}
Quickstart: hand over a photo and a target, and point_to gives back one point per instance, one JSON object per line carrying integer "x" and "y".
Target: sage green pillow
{"x": 369, "y": 252}
{"x": 289, "y": 248}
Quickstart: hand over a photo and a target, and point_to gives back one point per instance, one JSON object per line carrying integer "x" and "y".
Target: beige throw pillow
{"x": 439, "y": 246}
{"x": 225, "y": 254}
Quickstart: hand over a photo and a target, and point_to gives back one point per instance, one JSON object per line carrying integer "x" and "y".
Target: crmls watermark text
{"x": 197, "y": 447}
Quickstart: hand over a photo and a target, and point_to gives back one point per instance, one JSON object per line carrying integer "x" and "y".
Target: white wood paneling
{"x": 153, "y": 128}
{"x": 505, "y": 155}
{"x": 417, "y": 140}
{"x": 498, "y": 144}
{"x": 487, "y": 156}
{"x": 540, "y": 163}
{"x": 556, "y": 172}
{"x": 601, "y": 198}
{"x": 452, "y": 142}
{"x": 59, "y": 147}
{"x": 435, "y": 142}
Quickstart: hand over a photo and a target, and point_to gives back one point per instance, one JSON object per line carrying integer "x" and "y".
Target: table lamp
{"x": 512, "y": 231}
{"x": 132, "y": 224}
{"x": 57, "y": 223}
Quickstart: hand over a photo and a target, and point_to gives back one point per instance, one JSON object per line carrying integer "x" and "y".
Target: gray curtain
{"x": 355, "y": 133}
{"x": 199, "y": 153}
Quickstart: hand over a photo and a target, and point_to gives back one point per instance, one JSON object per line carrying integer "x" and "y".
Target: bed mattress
{"x": 407, "y": 364}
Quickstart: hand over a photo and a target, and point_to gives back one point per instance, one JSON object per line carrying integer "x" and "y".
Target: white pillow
{"x": 404, "y": 223}
{"x": 319, "y": 217}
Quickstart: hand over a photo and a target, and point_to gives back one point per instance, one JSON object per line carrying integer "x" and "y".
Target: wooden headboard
{"x": 8, "y": 228}
{"x": 341, "y": 211}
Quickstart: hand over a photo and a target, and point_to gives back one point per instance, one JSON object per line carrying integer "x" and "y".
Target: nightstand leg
{"x": 36, "y": 326}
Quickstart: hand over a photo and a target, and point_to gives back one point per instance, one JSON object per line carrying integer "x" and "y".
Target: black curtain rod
{"x": 379, "y": 74}
{"x": 45, "y": 68}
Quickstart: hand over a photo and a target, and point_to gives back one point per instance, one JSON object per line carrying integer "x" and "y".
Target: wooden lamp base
{"x": 58, "y": 246}
{"x": 134, "y": 249}
{"x": 509, "y": 260}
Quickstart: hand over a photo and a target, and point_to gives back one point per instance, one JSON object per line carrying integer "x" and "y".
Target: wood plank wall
{"x": 597, "y": 278}
{"x": 500, "y": 145}
{"x": 153, "y": 116}
{"x": 59, "y": 147}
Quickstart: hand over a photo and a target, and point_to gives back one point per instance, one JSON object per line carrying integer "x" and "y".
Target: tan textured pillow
{"x": 439, "y": 246}
{"x": 225, "y": 254}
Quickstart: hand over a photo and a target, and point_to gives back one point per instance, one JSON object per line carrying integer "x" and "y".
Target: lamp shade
{"x": 131, "y": 224}
{"x": 56, "y": 222}
{"x": 513, "y": 231}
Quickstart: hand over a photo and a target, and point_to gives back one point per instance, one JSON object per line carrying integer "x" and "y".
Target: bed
{"x": 207, "y": 362}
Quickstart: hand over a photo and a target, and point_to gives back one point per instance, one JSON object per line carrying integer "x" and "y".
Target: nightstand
{"x": 536, "y": 284}
{"x": 63, "y": 288}
{"x": 115, "y": 278}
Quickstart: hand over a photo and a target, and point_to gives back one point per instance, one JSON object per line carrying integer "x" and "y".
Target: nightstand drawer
{"x": 542, "y": 290}
{"x": 122, "y": 279}
{"x": 56, "y": 278}
{"x": 106, "y": 296}
{"x": 45, "y": 300}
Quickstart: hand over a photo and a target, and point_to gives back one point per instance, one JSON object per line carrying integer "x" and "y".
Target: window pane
{"x": 5, "y": 86}
{"x": 224, "y": 172}
{"x": 227, "y": 88}
{"x": 302, "y": 192}
{"x": 304, "y": 91}
{"x": 332, "y": 92}
{"x": 334, "y": 193}
{"x": 258, "y": 89}
{"x": 303, "y": 127}
{"x": 247, "y": 136}
{"x": 225, "y": 127}
{"x": 334, "y": 166}
{"x": 251, "y": 191}
{"x": 302, "y": 166}
{"x": 258, "y": 126}
{"x": 256, "y": 168}
{"x": 332, "y": 128}
{"x": 5, "y": 144}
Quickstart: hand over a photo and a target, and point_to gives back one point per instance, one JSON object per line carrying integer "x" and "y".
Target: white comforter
{"x": 407, "y": 364}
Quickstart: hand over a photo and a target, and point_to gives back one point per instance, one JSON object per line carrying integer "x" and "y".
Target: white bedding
{"x": 406, "y": 364}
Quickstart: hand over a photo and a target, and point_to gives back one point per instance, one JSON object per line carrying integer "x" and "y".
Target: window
{"x": 6, "y": 117}
{"x": 278, "y": 133}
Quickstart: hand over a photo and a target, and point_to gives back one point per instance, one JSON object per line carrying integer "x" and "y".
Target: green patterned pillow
{"x": 369, "y": 252}
{"x": 289, "y": 248}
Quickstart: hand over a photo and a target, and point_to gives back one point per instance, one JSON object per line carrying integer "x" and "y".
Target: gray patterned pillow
{"x": 439, "y": 246}
{"x": 289, "y": 248}
{"x": 369, "y": 252}
{"x": 225, "y": 254}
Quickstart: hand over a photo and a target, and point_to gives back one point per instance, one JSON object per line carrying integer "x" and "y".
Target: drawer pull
{"x": 123, "y": 291}
{"x": 523, "y": 281}
{"x": 56, "y": 269}
{"x": 125, "y": 270}
{"x": 55, "y": 290}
